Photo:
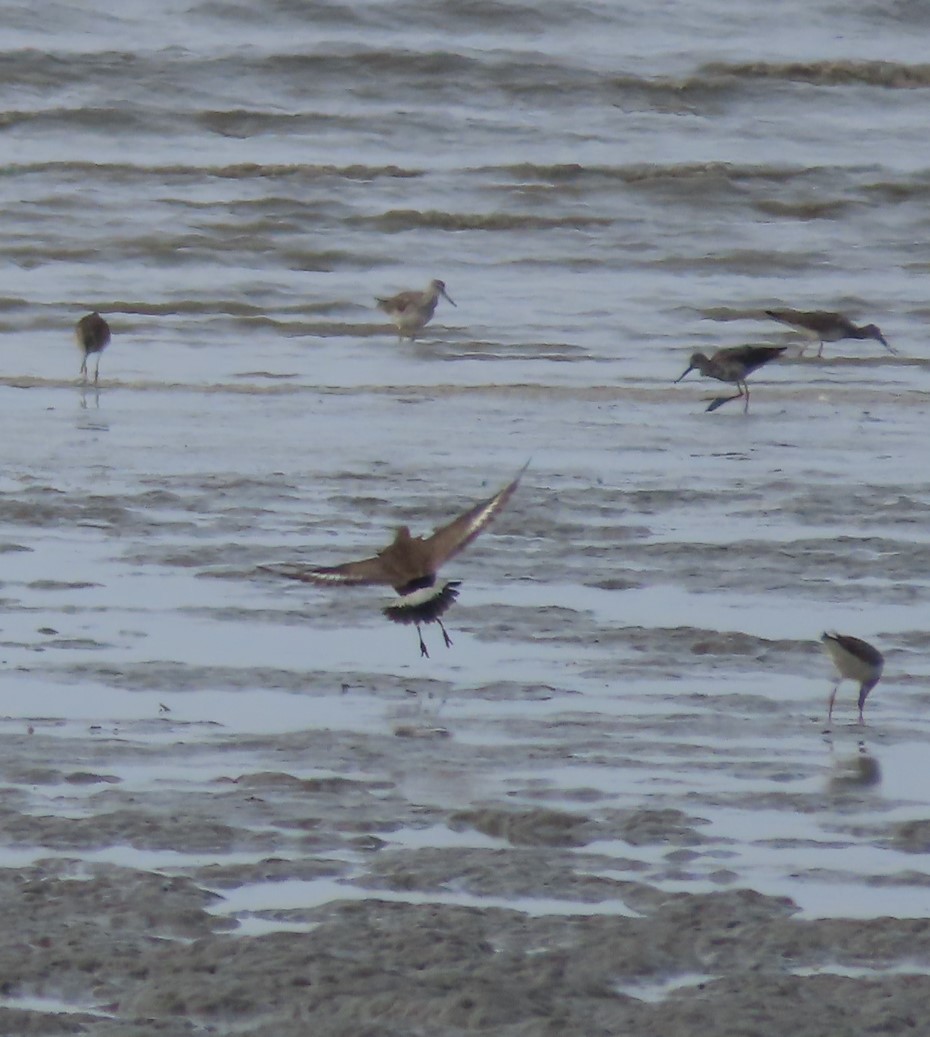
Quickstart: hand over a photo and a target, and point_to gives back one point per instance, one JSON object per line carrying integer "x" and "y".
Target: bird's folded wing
{"x": 857, "y": 647}
{"x": 399, "y": 303}
{"x": 365, "y": 571}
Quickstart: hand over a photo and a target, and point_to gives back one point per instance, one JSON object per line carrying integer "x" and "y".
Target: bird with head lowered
{"x": 732, "y": 365}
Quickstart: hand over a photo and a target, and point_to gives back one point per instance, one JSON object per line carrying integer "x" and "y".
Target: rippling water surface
{"x": 604, "y": 187}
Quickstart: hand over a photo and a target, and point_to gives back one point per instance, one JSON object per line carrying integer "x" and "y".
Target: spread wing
{"x": 448, "y": 540}
{"x": 366, "y": 571}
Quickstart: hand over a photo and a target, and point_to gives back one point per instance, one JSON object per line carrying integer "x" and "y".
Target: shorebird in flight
{"x": 410, "y": 564}
{"x": 822, "y": 326}
{"x": 732, "y": 365}
{"x": 410, "y": 312}
{"x": 93, "y": 336}
{"x": 856, "y": 660}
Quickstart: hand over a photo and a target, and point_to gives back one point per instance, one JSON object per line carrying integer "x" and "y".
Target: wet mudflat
{"x": 233, "y": 805}
{"x": 236, "y": 805}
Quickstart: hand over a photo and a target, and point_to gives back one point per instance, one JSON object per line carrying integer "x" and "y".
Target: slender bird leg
{"x": 864, "y": 690}
{"x": 97, "y": 370}
{"x": 445, "y": 636}
{"x": 746, "y": 404}
{"x": 423, "y": 651}
{"x": 820, "y": 351}
{"x": 836, "y": 688}
{"x": 84, "y": 367}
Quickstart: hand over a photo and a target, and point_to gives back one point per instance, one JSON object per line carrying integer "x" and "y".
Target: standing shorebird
{"x": 410, "y": 564}
{"x": 93, "y": 336}
{"x": 826, "y": 327}
{"x": 856, "y": 660}
{"x": 411, "y": 311}
{"x": 732, "y": 365}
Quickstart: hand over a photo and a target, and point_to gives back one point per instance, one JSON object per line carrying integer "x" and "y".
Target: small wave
{"x": 121, "y": 120}
{"x": 242, "y": 123}
{"x": 825, "y": 210}
{"x": 397, "y": 220}
{"x": 495, "y": 16}
{"x": 916, "y": 188}
{"x": 742, "y": 261}
{"x": 572, "y": 173}
{"x": 828, "y": 73}
{"x": 239, "y": 171}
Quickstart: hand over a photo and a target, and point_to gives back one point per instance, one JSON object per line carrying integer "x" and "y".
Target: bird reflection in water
{"x": 94, "y": 391}
{"x": 859, "y": 771}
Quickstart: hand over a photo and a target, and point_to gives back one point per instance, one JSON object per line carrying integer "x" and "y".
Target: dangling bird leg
{"x": 423, "y": 651}
{"x": 445, "y": 636}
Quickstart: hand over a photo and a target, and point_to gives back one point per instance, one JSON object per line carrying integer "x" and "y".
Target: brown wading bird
{"x": 854, "y": 659}
{"x": 93, "y": 336}
{"x": 826, "y": 327}
{"x": 410, "y": 564}
{"x": 732, "y": 365}
{"x": 411, "y": 311}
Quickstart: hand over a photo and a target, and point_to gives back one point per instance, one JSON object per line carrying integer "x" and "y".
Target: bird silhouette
{"x": 410, "y": 565}
{"x": 732, "y": 365}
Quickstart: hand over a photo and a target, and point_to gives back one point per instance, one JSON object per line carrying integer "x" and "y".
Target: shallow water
{"x": 604, "y": 188}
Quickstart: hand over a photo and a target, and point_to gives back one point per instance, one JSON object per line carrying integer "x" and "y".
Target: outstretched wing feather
{"x": 366, "y": 571}
{"x": 448, "y": 540}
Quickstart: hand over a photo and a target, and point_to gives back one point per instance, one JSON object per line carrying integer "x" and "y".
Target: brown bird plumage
{"x": 732, "y": 365}
{"x": 826, "y": 327}
{"x": 411, "y": 311}
{"x": 409, "y": 564}
{"x": 93, "y": 336}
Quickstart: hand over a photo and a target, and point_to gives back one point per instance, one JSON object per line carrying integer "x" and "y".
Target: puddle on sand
{"x": 160, "y": 860}
{"x": 658, "y": 990}
{"x": 54, "y": 1006}
{"x": 873, "y": 971}
{"x": 296, "y": 895}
